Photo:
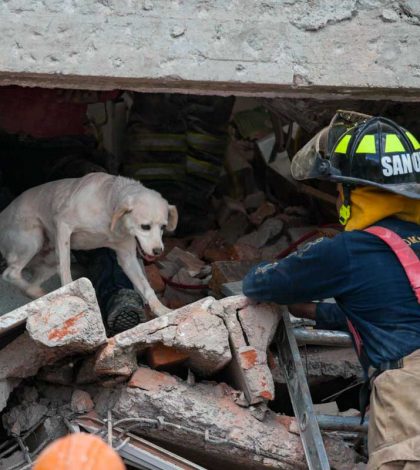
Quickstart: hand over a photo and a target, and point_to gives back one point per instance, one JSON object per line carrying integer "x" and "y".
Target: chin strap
{"x": 345, "y": 210}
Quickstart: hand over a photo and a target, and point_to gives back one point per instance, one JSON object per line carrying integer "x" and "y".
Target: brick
{"x": 234, "y": 227}
{"x": 81, "y": 402}
{"x": 228, "y": 271}
{"x": 164, "y": 356}
{"x": 155, "y": 279}
{"x": 265, "y": 210}
{"x": 172, "y": 242}
{"x": 151, "y": 380}
{"x": 218, "y": 252}
{"x": 243, "y": 252}
{"x": 115, "y": 361}
{"x": 187, "y": 260}
{"x": 270, "y": 229}
{"x": 254, "y": 201}
{"x": 196, "y": 329}
{"x": 201, "y": 242}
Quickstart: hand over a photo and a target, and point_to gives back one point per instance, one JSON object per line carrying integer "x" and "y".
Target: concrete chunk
{"x": 251, "y": 329}
{"x": 62, "y": 323}
{"x": 196, "y": 329}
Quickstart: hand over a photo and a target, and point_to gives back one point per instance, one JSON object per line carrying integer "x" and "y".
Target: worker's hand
{"x": 307, "y": 310}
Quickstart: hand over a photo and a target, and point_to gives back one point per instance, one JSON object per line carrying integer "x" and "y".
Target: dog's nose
{"x": 157, "y": 251}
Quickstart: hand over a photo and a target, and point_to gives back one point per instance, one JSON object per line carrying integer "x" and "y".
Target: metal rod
{"x": 322, "y": 337}
{"x": 341, "y": 423}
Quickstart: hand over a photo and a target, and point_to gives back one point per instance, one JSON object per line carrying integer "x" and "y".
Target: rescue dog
{"x": 38, "y": 229}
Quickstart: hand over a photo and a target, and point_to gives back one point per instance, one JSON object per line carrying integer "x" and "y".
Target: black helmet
{"x": 372, "y": 151}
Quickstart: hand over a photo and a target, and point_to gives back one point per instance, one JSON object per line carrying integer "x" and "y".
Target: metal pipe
{"x": 342, "y": 423}
{"x": 322, "y": 337}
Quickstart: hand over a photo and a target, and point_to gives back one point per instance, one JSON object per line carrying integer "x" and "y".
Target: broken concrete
{"x": 196, "y": 329}
{"x": 65, "y": 322}
{"x": 250, "y": 332}
{"x": 81, "y": 402}
{"x": 233, "y": 432}
{"x": 267, "y": 231}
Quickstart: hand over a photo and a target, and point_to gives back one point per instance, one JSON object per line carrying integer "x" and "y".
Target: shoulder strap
{"x": 406, "y": 255}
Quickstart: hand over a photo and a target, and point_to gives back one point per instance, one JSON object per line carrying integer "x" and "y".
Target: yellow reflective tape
{"x": 343, "y": 144}
{"x": 413, "y": 140}
{"x": 393, "y": 144}
{"x": 367, "y": 144}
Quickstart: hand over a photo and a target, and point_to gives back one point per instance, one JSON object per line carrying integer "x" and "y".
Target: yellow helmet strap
{"x": 345, "y": 210}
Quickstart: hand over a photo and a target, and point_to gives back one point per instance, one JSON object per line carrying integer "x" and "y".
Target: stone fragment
{"x": 167, "y": 269}
{"x": 49, "y": 430}
{"x": 115, "y": 361}
{"x": 154, "y": 277}
{"x": 228, "y": 271}
{"x": 159, "y": 356}
{"x": 176, "y": 298}
{"x": 81, "y": 402}
{"x": 251, "y": 329}
{"x": 23, "y": 417}
{"x": 267, "y": 209}
{"x": 148, "y": 379}
{"x": 267, "y": 231}
{"x": 187, "y": 260}
{"x": 184, "y": 278}
{"x": 253, "y": 201}
{"x": 234, "y": 227}
{"x": 229, "y": 207}
{"x": 57, "y": 325}
{"x": 196, "y": 329}
{"x": 270, "y": 252}
{"x": 211, "y": 409}
{"x": 16, "y": 460}
{"x": 242, "y": 252}
{"x": 201, "y": 242}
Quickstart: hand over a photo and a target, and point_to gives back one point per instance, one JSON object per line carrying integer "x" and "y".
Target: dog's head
{"x": 145, "y": 216}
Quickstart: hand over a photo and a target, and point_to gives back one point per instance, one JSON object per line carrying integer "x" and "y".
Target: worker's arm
{"x": 328, "y": 316}
{"x": 320, "y": 270}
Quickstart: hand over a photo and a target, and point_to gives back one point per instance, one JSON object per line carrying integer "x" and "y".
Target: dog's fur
{"x": 38, "y": 229}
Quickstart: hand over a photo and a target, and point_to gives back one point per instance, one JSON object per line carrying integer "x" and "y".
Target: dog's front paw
{"x": 158, "y": 309}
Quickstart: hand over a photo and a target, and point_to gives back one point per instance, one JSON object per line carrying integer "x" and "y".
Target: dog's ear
{"x": 116, "y": 216}
{"x": 172, "y": 218}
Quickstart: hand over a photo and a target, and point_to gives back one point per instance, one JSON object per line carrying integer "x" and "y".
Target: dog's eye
{"x": 163, "y": 227}
{"x": 145, "y": 227}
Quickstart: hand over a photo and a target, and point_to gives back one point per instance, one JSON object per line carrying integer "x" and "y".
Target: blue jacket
{"x": 363, "y": 275}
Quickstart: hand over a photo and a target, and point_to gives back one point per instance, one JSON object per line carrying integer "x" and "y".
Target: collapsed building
{"x": 209, "y": 113}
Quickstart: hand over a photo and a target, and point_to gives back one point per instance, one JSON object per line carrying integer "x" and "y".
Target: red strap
{"x": 406, "y": 255}
{"x": 358, "y": 343}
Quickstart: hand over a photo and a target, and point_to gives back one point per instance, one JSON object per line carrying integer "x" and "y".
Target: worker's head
{"x": 363, "y": 152}
{"x": 79, "y": 451}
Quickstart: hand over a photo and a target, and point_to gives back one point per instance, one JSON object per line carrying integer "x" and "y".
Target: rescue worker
{"x": 375, "y": 283}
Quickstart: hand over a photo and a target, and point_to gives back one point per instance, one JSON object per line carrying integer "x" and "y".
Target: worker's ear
{"x": 172, "y": 218}
{"x": 116, "y": 216}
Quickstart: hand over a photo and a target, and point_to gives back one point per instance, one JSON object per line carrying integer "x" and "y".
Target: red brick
{"x": 155, "y": 279}
{"x": 202, "y": 242}
{"x": 267, "y": 209}
{"x": 152, "y": 380}
{"x": 243, "y": 252}
{"x": 248, "y": 358}
{"x": 164, "y": 356}
{"x": 81, "y": 402}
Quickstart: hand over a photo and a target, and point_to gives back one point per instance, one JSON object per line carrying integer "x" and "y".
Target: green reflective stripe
{"x": 413, "y": 140}
{"x": 203, "y": 169}
{"x": 144, "y": 141}
{"x": 152, "y": 171}
{"x": 343, "y": 144}
{"x": 207, "y": 143}
{"x": 393, "y": 144}
{"x": 367, "y": 144}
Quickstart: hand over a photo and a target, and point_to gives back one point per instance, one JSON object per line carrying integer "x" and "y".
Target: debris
{"x": 201, "y": 242}
{"x": 61, "y": 373}
{"x": 196, "y": 329}
{"x": 154, "y": 277}
{"x": 23, "y": 417}
{"x": 185, "y": 259}
{"x": 254, "y": 201}
{"x": 249, "y": 366}
{"x": 228, "y": 271}
{"x": 243, "y": 252}
{"x": 270, "y": 229}
{"x": 159, "y": 356}
{"x": 267, "y": 209}
{"x": 81, "y": 402}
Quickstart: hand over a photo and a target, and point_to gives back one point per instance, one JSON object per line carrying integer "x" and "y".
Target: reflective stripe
{"x": 203, "y": 169}
{"x": 413, "y": 140}
{"x": 343, "y": 144}
{"x": 145, "y": 141}
{"x": 207, "y": 143}
{"x": 393, "y": 144}
{"x": 367, "y": 144}
{"x": 156, "y": 171}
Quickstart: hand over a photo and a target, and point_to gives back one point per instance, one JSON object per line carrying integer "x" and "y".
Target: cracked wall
{"x": 267, "y": 48}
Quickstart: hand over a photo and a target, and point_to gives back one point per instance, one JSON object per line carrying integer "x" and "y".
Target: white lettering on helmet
{"x": 406, "y": 162}
{"x": 397, "y": 165}
{"x": 416, "y": 161}
{"x": 400, "y": 164}
{"x": 386, "y": 166}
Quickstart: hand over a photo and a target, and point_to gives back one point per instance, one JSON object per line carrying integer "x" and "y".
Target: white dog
{"x": 38, "y": 229}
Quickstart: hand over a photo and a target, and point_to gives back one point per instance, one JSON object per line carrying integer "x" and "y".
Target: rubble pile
{"x": 163, "y": 377}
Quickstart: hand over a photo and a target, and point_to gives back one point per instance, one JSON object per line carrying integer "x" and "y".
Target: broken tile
{"x": 159, "y": 356}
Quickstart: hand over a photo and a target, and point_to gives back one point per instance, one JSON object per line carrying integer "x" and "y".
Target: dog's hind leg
{"x": 43, "y": 267}
{"x": 63, "y": 252}
{"x": 19, "y": 257}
